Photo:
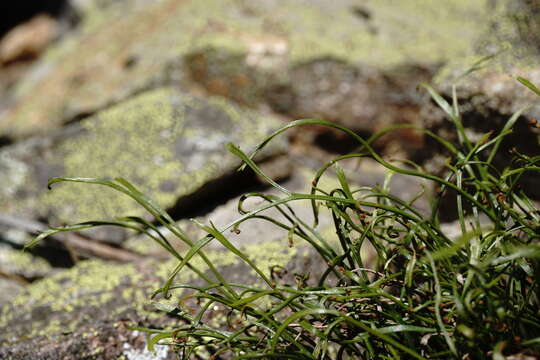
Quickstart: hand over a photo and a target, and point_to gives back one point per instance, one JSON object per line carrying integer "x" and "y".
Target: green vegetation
{"x": 428, "y": 295}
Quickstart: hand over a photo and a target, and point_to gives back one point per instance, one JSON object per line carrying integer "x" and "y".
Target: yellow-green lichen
{"x": 94, "y": 286}
{"x": 84, "y": 286}
{"x": 264, "y": 255}
{"x": 15, "y": 174}
{"x": 24, "y": 264}
{"x": 94, "y": 72}
{"x": 404, "y": 31}
{"x": 151, "y": 140}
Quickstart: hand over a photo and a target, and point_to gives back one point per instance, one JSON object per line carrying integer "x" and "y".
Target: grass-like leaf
{"x": 426, "y": 295}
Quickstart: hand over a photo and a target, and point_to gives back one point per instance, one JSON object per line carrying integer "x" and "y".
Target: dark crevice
{"x": 55, "y": 254}
{"x": 5, "y": 140}
{"x": 362, "y": 12}
{"x": 77, "y": 118}
{"x": 337, "y": 143}
{"x": 522, "y": 138}
{"x": 216, "y": 193}
{"x": 52, "y": 251}
{"x": 13, "y": 13}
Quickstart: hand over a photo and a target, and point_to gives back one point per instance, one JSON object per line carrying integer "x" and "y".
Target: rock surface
{"x": 82, "y": 313}
{"x": 152, "y": 91}
{"x": 105, "y": 64}
{"x": 22, "y": 265}
{"x": 9, "y": 289}
{"x": 488, "y": 99}
{"x": 166, "y": 143}
{"x": 28, "y": 40}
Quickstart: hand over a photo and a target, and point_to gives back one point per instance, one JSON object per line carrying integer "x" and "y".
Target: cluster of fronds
{"x": 427, "y": 296}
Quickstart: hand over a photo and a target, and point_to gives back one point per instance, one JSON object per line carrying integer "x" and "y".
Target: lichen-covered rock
{"x": 100, "y": 341}
{"x": 253, "y": 231}
{"x": 26, "y": 41}
{"x": 363, "y": 98}
{"x": 9, "y": 289}
{"x": 491, "y": 91}
{"x": 107, "y": 63}
{"x": 63, "y": 302}
{"x": 240, "y": 76}
{"x": 15, "y": 264}
{"x": 82, "y": 313}
{"x": 22, "y": 264}
{"x": 167, "y": 143}
{"x": 517, "y": 24}
{"x": 487, "y": 101}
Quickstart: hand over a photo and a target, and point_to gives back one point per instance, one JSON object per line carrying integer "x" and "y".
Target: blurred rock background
{"x": 152, "y": 90}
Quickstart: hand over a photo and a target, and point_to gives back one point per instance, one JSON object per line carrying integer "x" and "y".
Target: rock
{"x": 517, "y": 24}
{"x": 243, "y": 76}
{"x": 26, "y": 266}
{"x": 83, "y": 312}
{"x": 361, "y": 98}
{"x": 13, "y": 14}
{"x": 23, "y": 265}
{"x": 106, "y": 64}
{"x": 490, "y": 90}
{"x": 9, "y": 289}
{"x": 28, "y": 40}
{"x": 325, "y": 89}
{"x": 18, "y": 51}
{"x": 102, "y": 341}
{"x": 169, "y": 144}
{"x": 487, "y": 100}
{"x": 253, "y": 231}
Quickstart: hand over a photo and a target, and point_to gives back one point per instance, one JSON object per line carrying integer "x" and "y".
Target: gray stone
{"x": 82, "y": 313}
{"x": 9, "y": 289}
{"x": 21, "y": 264}
{"x": 487, "y": 100}
{"x": 168, "y": 144}
{"x": 103, "y": 63}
